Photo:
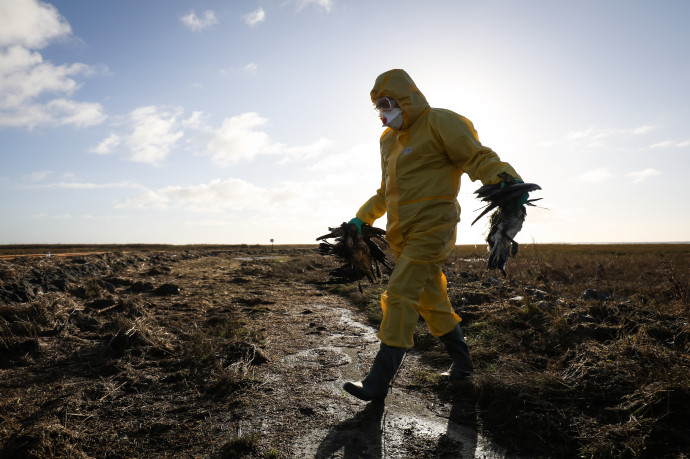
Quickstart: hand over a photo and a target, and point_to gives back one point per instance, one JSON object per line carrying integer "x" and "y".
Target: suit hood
{"x": 397, "y": 84}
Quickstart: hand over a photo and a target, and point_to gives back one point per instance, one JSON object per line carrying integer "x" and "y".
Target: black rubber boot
{"x": 456, "y": 346}
{"x": 375, "y": 385}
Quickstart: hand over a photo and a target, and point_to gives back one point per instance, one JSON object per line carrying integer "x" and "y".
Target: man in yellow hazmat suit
{"x": 424, "y": 152}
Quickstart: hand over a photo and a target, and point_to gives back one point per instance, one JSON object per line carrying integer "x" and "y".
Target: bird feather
{"x": 506, "y": 220}
{"x": 361, "y": 253}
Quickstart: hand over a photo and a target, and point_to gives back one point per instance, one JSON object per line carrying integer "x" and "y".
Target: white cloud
{"x": 302, "y": 152}
{"x": 149, "y": 200}
{"x": 57, "y": 112}
{"x": 594, "y": 137}
{"x": 358, "y": 160}
{"x": 34, "y": 92}
{"x": 639, "y": 176}
{"x": 330, "y": 191}
{"x": 198, "y": 24}
{"x": 24, "y": 77}
{"x": 38, "y": 176}
{"x": 671, "y": 144}
{"x": 589, "y": 134}
{"x": 154, "y": 134}
{"x": 107, "y": 145}
{"x": 30, "y": 23}
{"x": 643, "y": 130}
{"x": 196, "y": 121}
{"x": 592, "y": 133}
{"x": 211, "y": 223}
{"x": 596, "y": 175}
{"x": 224, "y": 194}
{"x": 315, "y": 197}
{"x": 65, "y": 111}
{"x": 251, "y": 68}
{"x": 255, "y": 17}
{"x": 240, "y": 139}
{"x": 85, "y": 186}
{"x": 326, "y": 5}
{"x": 53, "y": 216}
{"x": 151, "y": 133}
{"x": 215, "y": 196}
{"x": 66, "y": 216}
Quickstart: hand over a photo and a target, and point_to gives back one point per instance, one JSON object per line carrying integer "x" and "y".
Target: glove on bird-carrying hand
{"x": 503, "y": 194}
{"x": 358, "y": 223}
{"x": 509, "y": 181}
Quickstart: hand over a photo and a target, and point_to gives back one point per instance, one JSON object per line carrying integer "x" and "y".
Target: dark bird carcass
{"x": 507, "y": 219}
{"x": 361, "y": 253}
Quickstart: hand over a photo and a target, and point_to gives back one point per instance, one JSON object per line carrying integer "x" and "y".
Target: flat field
{"x": 241, "y": 351}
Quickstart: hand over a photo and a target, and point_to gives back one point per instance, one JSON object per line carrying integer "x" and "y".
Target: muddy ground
{"x": 242, "y": 352}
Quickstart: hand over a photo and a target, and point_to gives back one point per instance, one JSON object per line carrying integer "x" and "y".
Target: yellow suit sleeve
{"x": 375, "y": 207}
{"x": 467, "y": 153}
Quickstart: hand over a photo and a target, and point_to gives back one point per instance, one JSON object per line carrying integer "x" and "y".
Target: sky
{"x": 246, "y": 121}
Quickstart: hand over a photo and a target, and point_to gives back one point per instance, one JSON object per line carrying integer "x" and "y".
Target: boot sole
{"x": 446, "y": 377}
{"x": 360, "y": 393}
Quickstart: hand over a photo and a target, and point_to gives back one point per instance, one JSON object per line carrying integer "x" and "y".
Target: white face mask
{"x": 392, "y": 118}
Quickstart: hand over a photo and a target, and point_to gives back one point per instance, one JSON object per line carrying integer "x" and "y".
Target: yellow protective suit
{"x": 421, "y": 165}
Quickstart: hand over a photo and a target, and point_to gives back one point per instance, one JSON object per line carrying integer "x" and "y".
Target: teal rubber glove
{"x": 358, "y": 223}
{"x": 523, "y": 198}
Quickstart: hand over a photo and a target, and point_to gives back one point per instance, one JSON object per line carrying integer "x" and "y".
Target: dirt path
{"x": 316, "y": 343}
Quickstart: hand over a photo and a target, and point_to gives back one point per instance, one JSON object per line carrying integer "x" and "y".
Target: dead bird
{"x": 360, "y": 252}
{"x": 507, "y": 219}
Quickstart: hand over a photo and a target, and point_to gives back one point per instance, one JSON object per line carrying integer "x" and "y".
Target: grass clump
{"x": 241, "y": 446}
{"x": 593, "y": 361}
{"x": 246, "y": 446}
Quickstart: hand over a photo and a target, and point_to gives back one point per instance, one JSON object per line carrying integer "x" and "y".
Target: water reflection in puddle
{"x": 390, "y": 429}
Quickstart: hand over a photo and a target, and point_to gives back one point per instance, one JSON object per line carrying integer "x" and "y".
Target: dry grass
{"x": 581, "y": 351}
{"x": 592, "y": 354}
{"x": 92, "y": 367}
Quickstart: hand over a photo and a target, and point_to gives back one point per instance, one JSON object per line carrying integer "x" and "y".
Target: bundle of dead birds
{"x": 507, "y": 219}
{"x": 361, "y": 252}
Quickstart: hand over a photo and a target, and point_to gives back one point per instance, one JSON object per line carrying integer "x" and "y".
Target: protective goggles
{"x": 385, "y": 103}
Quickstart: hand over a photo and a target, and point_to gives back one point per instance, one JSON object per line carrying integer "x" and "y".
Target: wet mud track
{"x": 317, "y": 343}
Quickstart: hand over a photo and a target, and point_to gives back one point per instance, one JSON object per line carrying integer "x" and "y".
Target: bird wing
{"x": 497, "y": 196}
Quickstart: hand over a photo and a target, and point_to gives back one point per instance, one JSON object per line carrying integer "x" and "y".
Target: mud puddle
{"x": 262, "y": 258}
{"x": 405, "y": 425}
